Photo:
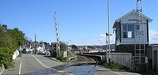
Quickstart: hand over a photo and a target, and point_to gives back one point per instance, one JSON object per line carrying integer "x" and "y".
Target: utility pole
{"x": 35, "y": 45}
{"x": 57, "y": 35}
{"x": 108, "y": 9}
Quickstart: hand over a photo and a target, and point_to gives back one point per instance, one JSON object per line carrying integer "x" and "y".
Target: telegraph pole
{"x": 108, "y": 9}
{"x": 35, "y": 45}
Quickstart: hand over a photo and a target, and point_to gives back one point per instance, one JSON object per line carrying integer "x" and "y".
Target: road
{"x": 31, "y": 64}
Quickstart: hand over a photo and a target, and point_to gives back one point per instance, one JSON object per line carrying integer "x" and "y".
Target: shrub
{"x": 10, "y": 40}
{"x": 114, "y": 65}
{"x": 9, "y": 64}
{"x": 64, "y": 59}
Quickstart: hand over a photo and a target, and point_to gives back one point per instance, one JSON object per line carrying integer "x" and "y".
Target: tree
{"x": 7, "y": 48}
{"x": 18, "y": 35}
{"x": 63, "y": 46}
{"x": 91, "y": 47}
{"x": 4, "y": 26}
{"x": 74, "y": 47}
{"x": 10, "y": 39}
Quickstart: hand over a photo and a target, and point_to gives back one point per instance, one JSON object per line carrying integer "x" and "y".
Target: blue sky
{"x": 81, "y": 21}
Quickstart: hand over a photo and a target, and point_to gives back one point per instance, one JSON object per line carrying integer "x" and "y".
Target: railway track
{"x": 84, "y": 66}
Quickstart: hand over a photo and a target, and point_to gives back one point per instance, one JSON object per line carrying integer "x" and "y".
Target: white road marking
{"x": 20, "y": 68}
{"x": 40, "y": 62}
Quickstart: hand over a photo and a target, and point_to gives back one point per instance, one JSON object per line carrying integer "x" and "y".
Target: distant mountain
{"x": 112, "y": 46}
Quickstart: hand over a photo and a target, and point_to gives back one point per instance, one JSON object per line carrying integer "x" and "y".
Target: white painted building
{"x": 132, "y": 36}
{"x": 126, "y": 28}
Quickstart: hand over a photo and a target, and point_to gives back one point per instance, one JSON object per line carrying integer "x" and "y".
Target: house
{"x": 129, "y": 33}
{"x": 132, "y": 36}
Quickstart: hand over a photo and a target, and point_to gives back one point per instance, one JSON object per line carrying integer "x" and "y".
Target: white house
{"x": 129, "y": 32}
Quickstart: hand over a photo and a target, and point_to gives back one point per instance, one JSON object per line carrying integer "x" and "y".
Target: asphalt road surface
{"x": 31, "y": 64}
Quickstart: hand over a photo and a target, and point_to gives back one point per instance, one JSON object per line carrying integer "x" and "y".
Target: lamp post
{"x": 68, "y": 43}
{"x": 68, "y": 46}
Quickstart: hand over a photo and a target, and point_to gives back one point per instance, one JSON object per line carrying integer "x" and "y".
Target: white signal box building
{"x": 129, "y": 33}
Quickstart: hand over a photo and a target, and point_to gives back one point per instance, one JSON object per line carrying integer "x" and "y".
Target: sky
{"x": 84, "y": 22}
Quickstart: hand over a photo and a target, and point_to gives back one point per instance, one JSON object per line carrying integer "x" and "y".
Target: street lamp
{"x": 68, "y": 46}
{"x": 68, "y": 43}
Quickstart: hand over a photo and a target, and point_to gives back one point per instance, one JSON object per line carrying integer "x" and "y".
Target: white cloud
{"x": 153, "y": 36}
{"x": 102, "y": 37}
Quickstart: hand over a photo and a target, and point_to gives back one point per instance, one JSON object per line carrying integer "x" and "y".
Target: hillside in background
{"x": 112, "y": 46}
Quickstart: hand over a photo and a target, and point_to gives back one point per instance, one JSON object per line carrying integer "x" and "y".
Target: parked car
{"x": 24, "y": 51}
{"x": 47, "y": 53}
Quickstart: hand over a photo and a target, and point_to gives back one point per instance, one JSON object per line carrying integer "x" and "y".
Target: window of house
{"x": 130, "y": 27}
{"x": 128, "y": 30}
{"x": 130, "y": 34}
{"x": 137, "y": 27}
{"x": 125, "y": 35}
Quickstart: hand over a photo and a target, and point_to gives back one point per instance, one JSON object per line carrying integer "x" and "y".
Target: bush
{"x": 64, "y": 59}
{"x": 68, "y": 54}
{"x": 6, "y": 57}
{"x": 10, "y": 64}
{"x": 10, "y": 40}
{"x": 60, "y": 58}
{"x": 114, "y": 65}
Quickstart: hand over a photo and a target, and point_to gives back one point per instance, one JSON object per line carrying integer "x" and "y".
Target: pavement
{"x": 105, "y": 71}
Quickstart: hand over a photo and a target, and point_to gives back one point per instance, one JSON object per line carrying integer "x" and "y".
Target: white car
{"x": 47, "y": 53}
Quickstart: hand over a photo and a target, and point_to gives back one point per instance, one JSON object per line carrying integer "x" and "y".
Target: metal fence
{"x": 121, "y": 58}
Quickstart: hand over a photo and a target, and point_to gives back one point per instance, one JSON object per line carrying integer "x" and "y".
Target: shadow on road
{"x": 150, "y": 73}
